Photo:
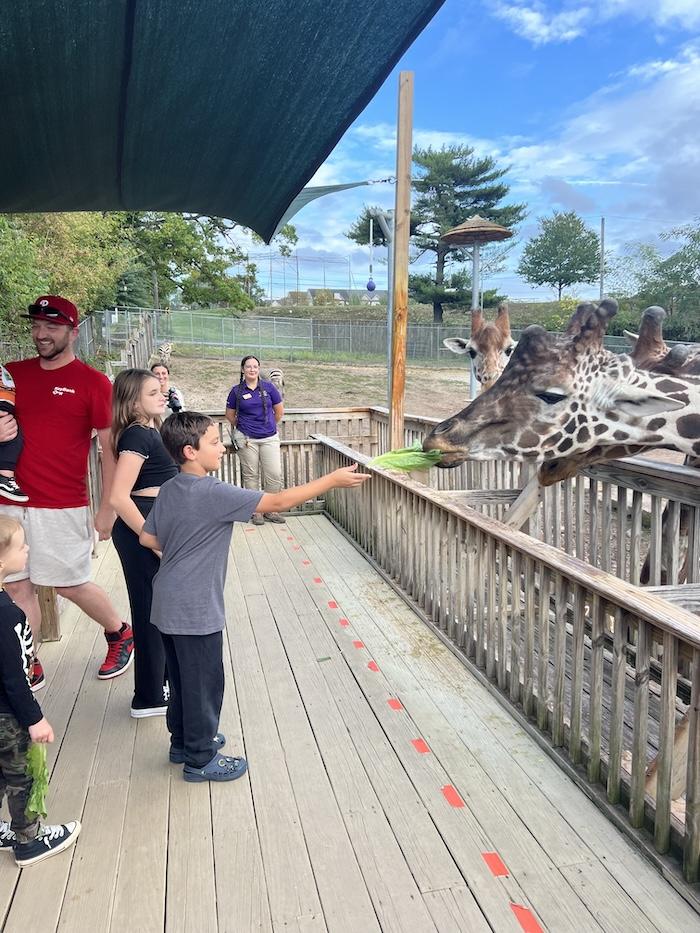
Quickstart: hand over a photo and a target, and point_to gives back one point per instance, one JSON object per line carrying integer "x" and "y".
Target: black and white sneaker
{"x": 7, "y": 837}
{"x": 10, "y": 490}
{"x": 50, "y": 841}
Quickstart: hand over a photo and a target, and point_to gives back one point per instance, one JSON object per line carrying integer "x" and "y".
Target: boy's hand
{"x": 41, "y": 731}
{"x": 347, "y": 477}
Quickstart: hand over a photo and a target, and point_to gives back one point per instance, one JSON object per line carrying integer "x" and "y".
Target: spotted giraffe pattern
{"x": 489, "y": 346}
{"x": 566, "y": 398}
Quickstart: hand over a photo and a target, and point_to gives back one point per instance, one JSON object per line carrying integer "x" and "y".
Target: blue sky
{"x": 594, "y": 105}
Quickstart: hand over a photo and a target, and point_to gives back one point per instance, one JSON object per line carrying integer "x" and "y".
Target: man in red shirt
{"x": 60, "y": 401}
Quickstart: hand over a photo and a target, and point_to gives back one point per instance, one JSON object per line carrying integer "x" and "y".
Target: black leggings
{"x": 140, "y": 565}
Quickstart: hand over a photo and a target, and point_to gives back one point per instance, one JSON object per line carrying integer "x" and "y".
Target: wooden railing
{"x": 533, "y": 621}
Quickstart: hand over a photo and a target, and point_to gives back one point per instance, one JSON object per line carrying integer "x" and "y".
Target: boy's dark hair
{"x": 183, "y": 429}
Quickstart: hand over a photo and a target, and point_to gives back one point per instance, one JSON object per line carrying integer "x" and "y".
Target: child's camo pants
{"x": 14, "y": 781}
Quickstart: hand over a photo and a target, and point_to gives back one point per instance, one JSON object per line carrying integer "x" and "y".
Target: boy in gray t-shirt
{"x": 191, "y": 524}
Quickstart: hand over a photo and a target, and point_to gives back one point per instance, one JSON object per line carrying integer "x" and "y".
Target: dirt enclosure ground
{"x": 429, "y": 391}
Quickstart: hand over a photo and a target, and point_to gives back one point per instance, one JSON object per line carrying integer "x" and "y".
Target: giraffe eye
{"x": 472, "y": 352}
{"x": 509, "y": 350}
{"x": 550, "y": 398}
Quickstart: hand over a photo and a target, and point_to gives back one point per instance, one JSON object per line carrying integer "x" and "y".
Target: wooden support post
{"x": 402, "y": 218}
{"x": 50, "y": 622}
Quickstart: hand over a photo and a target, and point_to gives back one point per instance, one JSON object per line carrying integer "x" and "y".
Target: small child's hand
{"x": 41, "y": 731}
{"x": 347, "y": 477}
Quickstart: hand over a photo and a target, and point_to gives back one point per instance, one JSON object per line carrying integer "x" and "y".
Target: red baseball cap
{"x": 55, "y": 309}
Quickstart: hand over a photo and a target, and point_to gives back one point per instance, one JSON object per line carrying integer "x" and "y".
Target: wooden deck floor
{"x": 387, "y": 789}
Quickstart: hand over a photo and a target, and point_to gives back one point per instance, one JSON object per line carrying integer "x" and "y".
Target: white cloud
{"x": 543, "y": 23}
{"x": 542, "y": 26}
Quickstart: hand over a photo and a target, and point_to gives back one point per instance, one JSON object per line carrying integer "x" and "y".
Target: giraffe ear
{"x": 632, "y": 338}
{"x": 456, "y": 344}
{"x": 636, "y": 400}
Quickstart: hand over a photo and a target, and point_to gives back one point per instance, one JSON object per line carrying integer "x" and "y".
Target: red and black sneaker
{"x": 37, "y": 679}
{"x": 120, "y": 653}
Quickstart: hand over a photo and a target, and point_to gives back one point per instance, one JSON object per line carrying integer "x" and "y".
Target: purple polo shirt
{"x": 250, "y": 411}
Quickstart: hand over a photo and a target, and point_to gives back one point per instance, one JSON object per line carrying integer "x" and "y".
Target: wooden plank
{"x": 617, "y": 709}
{"x": 290, "y": 882}
{"x": 191, "y": 885}
{"x": 241, "y": 890}
{"x": 88, "y": 901}
{"x": 139, "y": 902}
{"x": 343, "y": 894}
{"x": 596, "y": 690}
{"x": 691, "y": 852}
{"x": 641, "y": 718}
{"x": 662, "y": 821}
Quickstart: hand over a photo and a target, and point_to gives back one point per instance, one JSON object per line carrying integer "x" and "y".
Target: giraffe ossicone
{"x": 565, "y": 397}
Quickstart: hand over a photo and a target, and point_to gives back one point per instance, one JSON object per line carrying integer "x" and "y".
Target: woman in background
{"x": 174, "y": 399}
{"x": 254, "y": 409}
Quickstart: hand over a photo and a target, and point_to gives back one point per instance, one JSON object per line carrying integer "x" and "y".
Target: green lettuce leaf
{"x": 38, "y": 770}
{"x": 408, "y": 458}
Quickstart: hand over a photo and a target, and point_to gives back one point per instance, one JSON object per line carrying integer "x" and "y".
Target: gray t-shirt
{"x": 192, "y": 518}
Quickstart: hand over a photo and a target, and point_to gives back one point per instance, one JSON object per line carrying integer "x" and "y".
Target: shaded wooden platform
{"x": 387, "y": 789}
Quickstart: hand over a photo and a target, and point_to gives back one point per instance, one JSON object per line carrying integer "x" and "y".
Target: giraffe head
{"x": 489, "y": 345}
{"x": 563, "y": 395}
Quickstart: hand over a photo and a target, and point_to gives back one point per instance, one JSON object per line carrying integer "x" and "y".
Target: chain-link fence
{"x": 212, "y": 336}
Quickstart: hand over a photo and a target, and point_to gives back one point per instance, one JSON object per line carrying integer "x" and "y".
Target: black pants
{"x": 140, "y": 565}
{"x": 196, "y": 676}
{"x": 10, "y": 450}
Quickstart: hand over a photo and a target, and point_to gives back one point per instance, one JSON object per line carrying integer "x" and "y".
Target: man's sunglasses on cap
{"x": 46, "y": 311}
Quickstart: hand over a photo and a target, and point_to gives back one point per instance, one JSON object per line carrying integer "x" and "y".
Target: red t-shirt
{"x": 57, "y": 410}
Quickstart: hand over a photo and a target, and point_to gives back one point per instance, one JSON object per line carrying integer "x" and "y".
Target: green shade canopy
{"x": 221, "y": 107}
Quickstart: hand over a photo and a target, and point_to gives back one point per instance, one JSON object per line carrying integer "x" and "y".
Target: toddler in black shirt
{"x": 21, "y": 719}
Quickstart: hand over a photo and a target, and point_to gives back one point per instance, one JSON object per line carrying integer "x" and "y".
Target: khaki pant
{"x": 260, "y": 454}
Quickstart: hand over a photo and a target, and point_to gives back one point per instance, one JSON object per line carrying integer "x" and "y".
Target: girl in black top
{"x": 143, "y": 465}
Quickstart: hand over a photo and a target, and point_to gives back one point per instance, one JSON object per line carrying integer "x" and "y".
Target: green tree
{"x": 564, "y": 253}
{"x": 451, "y": 184}
{"x": 81, "y": 255}
{"x": 21, "y": 278}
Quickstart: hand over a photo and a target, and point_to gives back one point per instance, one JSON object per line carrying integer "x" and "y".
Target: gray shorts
{"x": 60, "y": 542}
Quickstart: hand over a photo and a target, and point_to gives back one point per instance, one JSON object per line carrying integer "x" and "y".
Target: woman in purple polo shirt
{"x": 254, "y": 408}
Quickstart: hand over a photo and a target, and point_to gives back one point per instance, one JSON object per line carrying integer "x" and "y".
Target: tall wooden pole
{"x": 402, "y": 218}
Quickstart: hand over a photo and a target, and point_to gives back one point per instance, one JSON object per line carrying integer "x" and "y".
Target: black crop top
{"x": 158, "y": 466}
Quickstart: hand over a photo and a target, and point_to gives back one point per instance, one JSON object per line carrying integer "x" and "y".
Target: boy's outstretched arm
{"x": 344, "y": 478}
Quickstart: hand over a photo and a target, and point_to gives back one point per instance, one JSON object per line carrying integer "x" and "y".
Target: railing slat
{"x": 617, "y": 706}
{"x": 641, "y": 724}
{"x": 667, "y": 725}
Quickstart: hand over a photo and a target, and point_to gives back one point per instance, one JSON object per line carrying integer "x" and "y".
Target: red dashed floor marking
{"x": 306, "y": 563}
{"x": 359, "y": 644}
{"x": 451, "y": 796}
{"x": 248, "y": 530}
{"x": 493, "y": 860}
{"x": 318, "y": 580}
{"x": 296, "y": 547}
{"x": 373, "y": 666}
{"x": 290, "y": 538}
{"x": 344, "y": 622}
{"x": 395, "y": 704}
{"x": 332, "y": 604}
{"x": 420, "y": 746}
{"x": 526, "y": 919}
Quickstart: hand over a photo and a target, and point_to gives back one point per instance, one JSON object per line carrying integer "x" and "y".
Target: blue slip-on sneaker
{"x": 177, "y": 755}
{"x": 220, "y": 768}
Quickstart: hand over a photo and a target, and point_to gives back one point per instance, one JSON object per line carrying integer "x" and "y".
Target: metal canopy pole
{"x": 402, "y": 217}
